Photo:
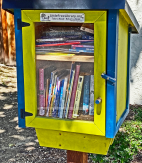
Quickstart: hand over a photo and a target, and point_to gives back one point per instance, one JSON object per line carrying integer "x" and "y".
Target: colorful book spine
{"x": 80, "y": 41}
{"x": 52, "y": 39}
{"x": 72, "y": 73}
{"x": 91, "y": 106}
{"x": 50, "y": 95}
{"x": 47, "y": 90}
{"x": 87, "y": 37}
{"x": 77, "y": 70}
{"x": 57, "y": 100}
{"x": 41, "y": 93}
{"x": 58, "y": 44}
{"x": 78, "y": 96}
{"x": 82, "y": 46}
{"x": 86, "y": 50}
{"x": 61, "y": 96}
{"x": 60, "y": 113}
{"x": 86, "y": 94}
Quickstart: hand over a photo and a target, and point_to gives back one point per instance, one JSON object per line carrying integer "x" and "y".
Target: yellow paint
{"x": 73, "y": 141}
{"x": 127, "y": 18}
{"x": 94, "y": 128}
{"x": 28, "y": 35}
{"x": 99, "y": 68}
{"x": 122, "y": 66}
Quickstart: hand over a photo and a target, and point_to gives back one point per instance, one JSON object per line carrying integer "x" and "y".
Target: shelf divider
{"x": 75, "y": 58}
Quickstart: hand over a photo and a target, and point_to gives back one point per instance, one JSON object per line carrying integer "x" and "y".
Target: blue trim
{"x": 108, "y": 78}
{"x": 112, "y": 53}
{"x": 124, "y": 115}
{"x": 64, "y": 4}
{"x": 19, "y": 62}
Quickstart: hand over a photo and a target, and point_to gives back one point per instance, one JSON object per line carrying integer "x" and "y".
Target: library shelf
{"x": 75, "y": 58}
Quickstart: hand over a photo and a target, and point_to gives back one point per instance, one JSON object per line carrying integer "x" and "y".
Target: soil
{"x": 18, "y": 145}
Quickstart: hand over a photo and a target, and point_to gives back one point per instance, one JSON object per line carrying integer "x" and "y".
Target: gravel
{"x": 18, "y": 145}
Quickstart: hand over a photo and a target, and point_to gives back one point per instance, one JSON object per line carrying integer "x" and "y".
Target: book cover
{"x": 86, "y": 94}
{"x": 76, "y": 76}
{"x": 91, "y": 105}
{"x": 78, "y": 96}
{"x": 69, "y": 91}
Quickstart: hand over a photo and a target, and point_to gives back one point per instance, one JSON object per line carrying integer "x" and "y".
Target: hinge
{"x": 108, "y": 78}
{"x": 21, "y": 24}
{"x": 24, "y": 114}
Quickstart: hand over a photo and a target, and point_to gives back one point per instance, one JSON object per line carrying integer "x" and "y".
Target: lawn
{"x": 127, "y": 146}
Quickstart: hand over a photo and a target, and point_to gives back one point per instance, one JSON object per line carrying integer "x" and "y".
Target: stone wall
{"x": 136, "y": 56}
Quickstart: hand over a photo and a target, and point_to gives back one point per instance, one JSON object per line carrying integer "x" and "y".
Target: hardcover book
{"x": 61, "y": 107}
{"x": 72, "y": 73}
{"x": 76, "y": 76}
{"x": 86, "y": 96}
{"x": 78, "y": 96}
{"x": 91, "y": 105}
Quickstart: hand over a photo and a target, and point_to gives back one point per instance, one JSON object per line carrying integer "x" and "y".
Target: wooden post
{"x": 77, "y": 157}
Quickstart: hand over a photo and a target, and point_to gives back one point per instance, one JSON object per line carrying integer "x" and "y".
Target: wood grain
{"x": 77, "y": 157}
{"x": 75, "y": 58}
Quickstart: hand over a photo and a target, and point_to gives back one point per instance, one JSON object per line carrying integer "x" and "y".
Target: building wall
{"x": 136, "y": 56}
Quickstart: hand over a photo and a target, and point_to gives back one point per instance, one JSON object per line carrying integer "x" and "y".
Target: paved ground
{"x": 16, "y": 144}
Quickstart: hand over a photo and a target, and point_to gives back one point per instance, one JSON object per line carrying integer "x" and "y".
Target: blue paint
{"x": 108, "y": 78}
{"x": 125, "y": 113}
{"x": 19, "y": 63}
{"x": 66, "y": 4}
{"x": 112, "y": 53}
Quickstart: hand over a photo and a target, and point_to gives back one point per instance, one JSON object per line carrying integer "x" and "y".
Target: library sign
{"x": 62, "y": 17}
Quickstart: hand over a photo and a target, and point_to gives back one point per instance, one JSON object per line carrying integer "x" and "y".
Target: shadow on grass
{"x": 127, "y": 144}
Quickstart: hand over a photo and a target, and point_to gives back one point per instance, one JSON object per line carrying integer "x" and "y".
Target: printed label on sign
{"x": 62, "y": 17}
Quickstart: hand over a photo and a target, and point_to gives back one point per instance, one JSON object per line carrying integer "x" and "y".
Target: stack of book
{"x": 60, "y": 93}
{"x": 66, "y": 40}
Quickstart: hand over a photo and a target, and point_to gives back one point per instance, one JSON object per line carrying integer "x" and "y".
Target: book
{"x": 86, "y": 50}
{"x": 87, "y": 37}
{"x": 78, "y": 96}
{"x": 50, "y": 40}
{"x": 82, "y": 46}
{"x": 91, "y": 105}
{"x": 63, "y": 74}
{"x": 62, "y": 98}
{"x": 51, "y": 88}
{"x": 86, "y": 94}
{"x": 59, "y": 44}
{"x": 47, "y": 89}
{"x": 43, "y": 75}
{"x": 76, "y": 76}
{"x": 69, "y": 91}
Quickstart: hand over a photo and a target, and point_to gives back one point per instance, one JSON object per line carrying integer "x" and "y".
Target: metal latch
{"x": 21, "y": 24}
{"x": 25, "y": 114}
{"x": 108, "y": 78}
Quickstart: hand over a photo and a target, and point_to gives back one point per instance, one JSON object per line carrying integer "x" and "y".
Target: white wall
{"x": 136, "y": 56}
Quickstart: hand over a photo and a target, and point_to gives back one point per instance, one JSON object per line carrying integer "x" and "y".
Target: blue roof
{"x": 63, "y": 4}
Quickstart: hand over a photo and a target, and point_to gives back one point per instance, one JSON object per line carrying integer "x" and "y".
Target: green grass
{"x": 128, "y": 141}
